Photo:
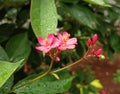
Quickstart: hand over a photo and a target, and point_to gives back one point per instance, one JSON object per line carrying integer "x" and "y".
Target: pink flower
{"x": 66, "y": 42}
{"x": 47, "y": 44}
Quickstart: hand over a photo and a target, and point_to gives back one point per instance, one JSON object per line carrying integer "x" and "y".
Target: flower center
{"x": 65, "y": 38}
{"x": 46, "y": 41}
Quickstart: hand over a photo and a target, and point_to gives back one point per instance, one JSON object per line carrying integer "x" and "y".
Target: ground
{"x": 104, "y": 71}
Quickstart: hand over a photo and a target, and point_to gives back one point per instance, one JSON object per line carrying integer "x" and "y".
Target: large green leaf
{"x": 3, "y": 55}
{"x": 83, "y": 15}
{"x": 98, "y": 2}
{"x": 43, "y": 17}
{"x": 7, "y": 69}
{"x": 18, "y": 47}
{"x": 47, "y": 85}
{"x": 7, "y": 86}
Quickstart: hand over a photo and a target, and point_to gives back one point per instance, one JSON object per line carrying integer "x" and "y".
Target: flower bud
{"x": 57, "y": 59}
{"x": 94, "y": 39}
{"x": 98, "y": 52}
{"x": 93, "y": 51}
{"x": 89, "y": 42}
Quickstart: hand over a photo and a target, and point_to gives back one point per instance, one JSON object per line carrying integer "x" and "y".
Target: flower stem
{"x": 68, "y": 66}
{"x": 35, "y": 79}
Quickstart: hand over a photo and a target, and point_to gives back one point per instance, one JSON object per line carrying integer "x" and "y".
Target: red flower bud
{"x": 57, "y": 59}
{"x": 98, "y": 52}
{"x": 94, "y": 39}
{"x": 89, "y": 42}
{"x": 93, "y": 51}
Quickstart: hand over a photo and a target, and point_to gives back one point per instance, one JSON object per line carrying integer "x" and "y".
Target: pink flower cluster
{"x": 60, "y": 42}
{"x": 90, "y": 44}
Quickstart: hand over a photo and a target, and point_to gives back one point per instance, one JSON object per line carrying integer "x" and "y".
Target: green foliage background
{"x": 21, "y": 24}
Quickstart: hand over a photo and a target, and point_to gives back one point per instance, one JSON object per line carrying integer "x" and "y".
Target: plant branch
{"x": 68, "y": 66}
{"x": 37, "y": 78}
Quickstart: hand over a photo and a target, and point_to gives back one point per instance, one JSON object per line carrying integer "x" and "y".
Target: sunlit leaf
{"x": 43, "y": 17}
{"x": 7, "y": 86}
{"x": 7, "y": 69}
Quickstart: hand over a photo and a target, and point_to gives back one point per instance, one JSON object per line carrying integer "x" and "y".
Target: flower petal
{"x": 40, "y": 48}
{"x": 59, "y": 36}
{"x": 50, "y": 38}
{"x": 46, "y": 50}
{"x": 70, "y": 46}
{"x": 65, "y": 34}
{"x": 43, "y": 48}
{"x": 62, "y": 48}
{"x": 56, "y": 43}
{"x": 71, "y": 41}
{"x": 41, "y": 41}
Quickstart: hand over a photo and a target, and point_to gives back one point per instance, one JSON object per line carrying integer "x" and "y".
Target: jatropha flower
{"x": 47, "y": 44}
{"x": 93, "y": 40}
{"x": 66, "y": 42}
{"x": 59, "y": 43}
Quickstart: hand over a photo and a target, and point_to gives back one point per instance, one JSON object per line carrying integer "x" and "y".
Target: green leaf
{"x": 3, "y": 55}
{"x": 6, "y": 30}
{"x": 18, "y": 47}
{"x": 98, "y": 2}
{"x": 70, "y": 1}
{"x": 11, "y": 13}
{"x": 7, "y": 69}
{"x": 117, "y": 76}
{"x": 43, "y": 17}
{"x": 83, "y": 15}
{"x": 7, "y": 86}
{"x": 114, "y": 41}
{"x": 19, "y": 1}
{"x": 47, "y": 85}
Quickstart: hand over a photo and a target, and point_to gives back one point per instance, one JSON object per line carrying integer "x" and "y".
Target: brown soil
{"x": 104, "y": 71}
